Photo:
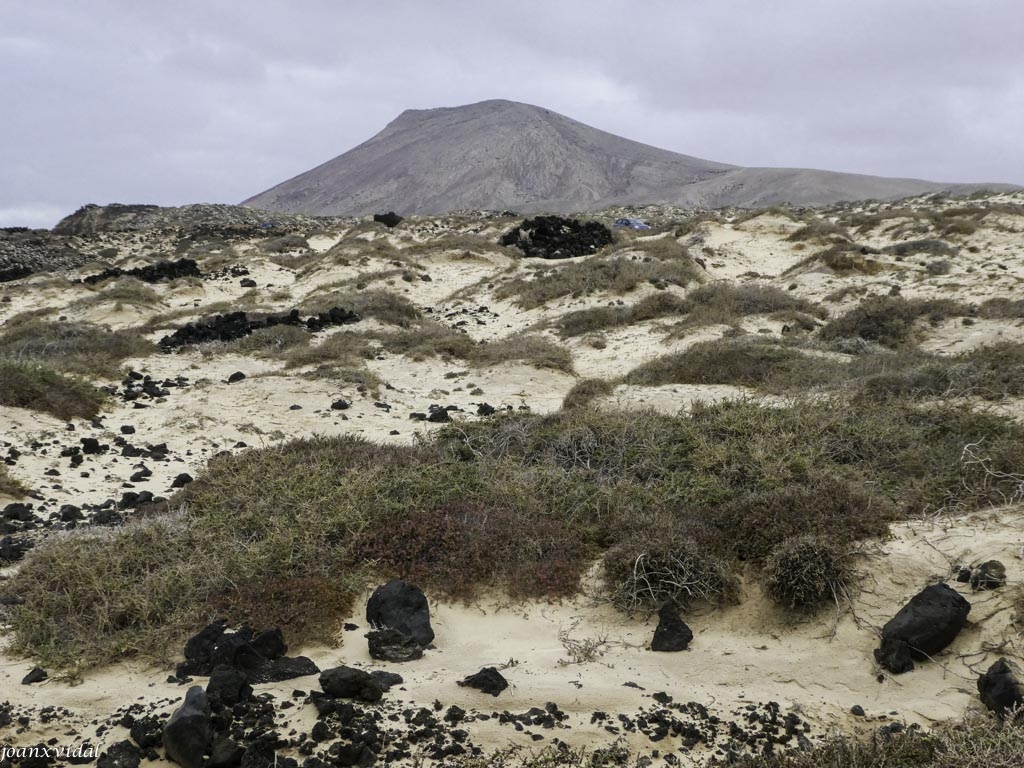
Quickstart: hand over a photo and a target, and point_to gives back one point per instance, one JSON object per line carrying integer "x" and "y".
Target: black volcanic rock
{"x": 237, "y": 325}
{"x": 228, "y": 686}
{"x": 671, "y": 634}
{"x": 392, "y": 645}
{"x": 552, "y": 237}
{"x": 122, "y": 754}
{"x": 389, "y": 219}
{"x": 923, "y": 627}
{"x": 350, "y": 683}
{"x": 188, "y": 731}
{"x": 989, "y": 575}
{"x": 151, "y": 273}
{"x": 1001, "y": 687}
{"x": 488, "y": 680}
{"x": 402, "y": 606}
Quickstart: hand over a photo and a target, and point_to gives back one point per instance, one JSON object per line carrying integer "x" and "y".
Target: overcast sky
{"x": 172, "y": 102}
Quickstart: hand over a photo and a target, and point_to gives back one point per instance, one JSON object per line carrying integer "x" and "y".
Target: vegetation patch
{"x": 614, "y": 274}
{"x": 37, "y": 388}
{"x": 820, "y": 229}
{"x": 81, "y": 348}
{"x": 9, "y": 486}
{"x": 690, "y": 498}
{"x": 725, "y": 303}
{"x": 586, "y": 391}
{"x": 771, "y": 367}
{"x": 657, "y": 305}
{"x": 890, "y": 320}
{"x": 387, "y": 307}
{"x": 805, "y": 572}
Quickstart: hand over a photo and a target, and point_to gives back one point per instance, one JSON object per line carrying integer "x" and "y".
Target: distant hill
{"x": 498, "y": 155}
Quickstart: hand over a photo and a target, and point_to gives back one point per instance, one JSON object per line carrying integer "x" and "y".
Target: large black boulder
{"x": 1001, "y": 687}
{"x": 389, "y": 219}
{"x": 392, "y": 645}
{"x": 923, "y": 627}
{"x": 489, "y": 680}
{"x": 402, "y": 606}
{"x": 553, "y": 237}
{"x": 350, "y": 683}
{"x": 671, "y": 634}
{"x": 228, "y": 686}
{"x": 188, "y": 731}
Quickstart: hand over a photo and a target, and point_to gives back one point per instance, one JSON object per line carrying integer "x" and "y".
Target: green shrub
{"x": 1002, "y": 308}
{"x": 341, "y": 349}
{"x": 31, "y": 386}
{"x": 890, "y": 320}
{"x": 586, "y": 391}
{"x": 655, "y": 566}
{"x": 523, "y": 348}
{"x": 657, "y": 305}
{"x": 275, "y": 341}
{"x": 125, "y": 290}
{"x": 72, "y": 347}
{"x": 819, "y": 229}
{"x": 723, "y": 303}
{"x": 805, "y": 572}
{"x": 9, "y": 486}
{"x": 739, "y": 362}
{"x": 614, "y": 274}
{"x": 391, "y": 308}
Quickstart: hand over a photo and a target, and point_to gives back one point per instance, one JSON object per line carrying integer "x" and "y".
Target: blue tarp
{"x": 631, "y": 223}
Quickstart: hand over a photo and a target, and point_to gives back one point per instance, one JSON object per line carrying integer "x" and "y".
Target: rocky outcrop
{"x": 552, "y": 237}
{"x": 238, "y": 325}
{"x": 25, "y": 251}
{"x": 159, "y": 272}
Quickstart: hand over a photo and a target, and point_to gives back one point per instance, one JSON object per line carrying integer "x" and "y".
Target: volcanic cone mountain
{"x": 499, "y": 155}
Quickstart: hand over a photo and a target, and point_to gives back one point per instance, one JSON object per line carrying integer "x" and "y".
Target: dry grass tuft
{"x": 37, "y": 388}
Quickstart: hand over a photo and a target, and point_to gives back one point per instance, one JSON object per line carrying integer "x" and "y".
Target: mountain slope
{"x": 505, "y": 155}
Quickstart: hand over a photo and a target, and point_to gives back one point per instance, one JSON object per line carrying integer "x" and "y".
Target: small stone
{"x": 36, "y": 675}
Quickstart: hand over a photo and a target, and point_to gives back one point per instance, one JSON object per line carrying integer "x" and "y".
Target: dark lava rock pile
{"x": 237, "y": 325}
{"x": 151, "y": 273}
{"x": 233, "y": 660}
{"x": 24, "y": 251}
{"x": 553, "y": 237}
{"x": 389, "y": 219}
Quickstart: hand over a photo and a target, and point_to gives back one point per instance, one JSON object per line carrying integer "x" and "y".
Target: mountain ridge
{"x": 500, "y": 154}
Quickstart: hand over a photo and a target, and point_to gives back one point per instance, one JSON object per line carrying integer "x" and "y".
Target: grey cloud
{"x": 197, "y": 101}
